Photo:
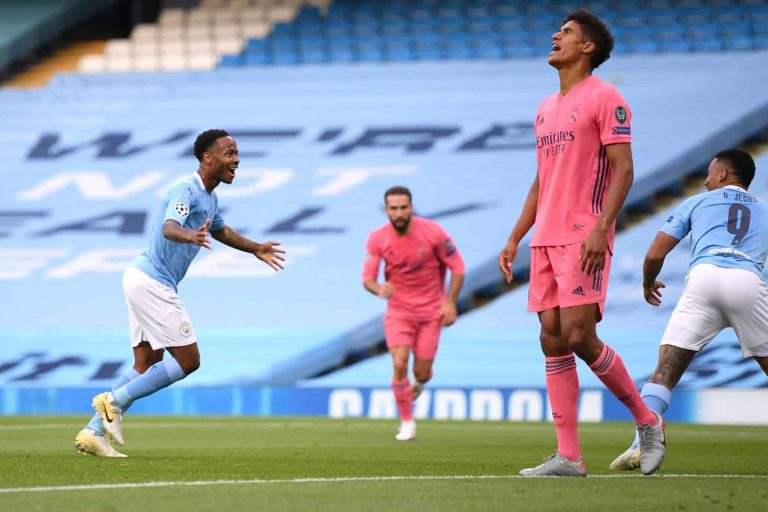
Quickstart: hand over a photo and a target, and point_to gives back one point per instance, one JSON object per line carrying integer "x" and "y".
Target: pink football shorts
{"x": 558, "y": 281}
{"x": 422, "y": 336}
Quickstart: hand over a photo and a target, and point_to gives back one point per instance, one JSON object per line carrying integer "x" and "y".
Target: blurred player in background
{"x": 416, "y": 254}
{"x": 157, "y": 318}
{"x": 584, "y": 174}
{"x": 724, "y": 287}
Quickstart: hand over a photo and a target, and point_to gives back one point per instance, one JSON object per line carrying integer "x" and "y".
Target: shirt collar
{"x": 736, "y": 187}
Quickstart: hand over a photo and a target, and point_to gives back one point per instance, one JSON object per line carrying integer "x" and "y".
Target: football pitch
{"x": 314, "y": 464}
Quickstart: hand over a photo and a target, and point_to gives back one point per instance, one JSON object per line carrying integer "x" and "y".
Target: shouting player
{"x": 157, "y": 318}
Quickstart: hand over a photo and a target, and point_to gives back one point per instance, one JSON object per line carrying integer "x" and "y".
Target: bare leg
{"x": 763, "y": 362}
{"x": 422, "y": 369}
{"x": 673, "y": 361}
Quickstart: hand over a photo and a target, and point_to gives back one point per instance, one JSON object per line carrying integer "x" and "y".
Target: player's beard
{"x": 401, "y": 225}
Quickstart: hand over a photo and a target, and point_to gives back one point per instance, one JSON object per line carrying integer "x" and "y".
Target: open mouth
{"x": 555, "y": 47}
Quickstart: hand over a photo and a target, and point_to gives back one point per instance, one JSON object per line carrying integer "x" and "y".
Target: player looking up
{"x": 725, "y": 286}
{"x": 416, "y": 253}
{"x": 584, "y": 174}
{"x": 157, "y": 318}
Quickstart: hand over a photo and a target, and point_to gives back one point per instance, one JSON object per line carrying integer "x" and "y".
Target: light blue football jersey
{"x": 188, "y": 203}
{"x": 728, "y": 226}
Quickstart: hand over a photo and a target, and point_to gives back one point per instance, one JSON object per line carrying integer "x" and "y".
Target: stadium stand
{"x": 291, "y": 32}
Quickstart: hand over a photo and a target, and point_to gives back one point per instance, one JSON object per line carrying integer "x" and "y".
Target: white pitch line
{"x": 352, "y": 423}
{"x": 202, "y": 483}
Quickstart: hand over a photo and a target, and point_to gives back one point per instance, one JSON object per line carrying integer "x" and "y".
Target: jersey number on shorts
{"x": 738, "y": 225}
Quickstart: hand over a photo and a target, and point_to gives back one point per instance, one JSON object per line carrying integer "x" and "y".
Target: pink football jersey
{"x": 415, "y": 265}
{"x": 572, "y": 132}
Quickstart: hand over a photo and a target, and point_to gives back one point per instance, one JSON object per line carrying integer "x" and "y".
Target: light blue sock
{"x": 657, "y": 398}
{"x": 156, "y": 377}
{"x": 127, "y": 376}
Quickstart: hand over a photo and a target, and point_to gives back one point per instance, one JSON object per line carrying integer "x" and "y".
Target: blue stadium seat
{"x": 736, "y": 29}
{"x": 286, "y": 57}
{"x": 760, "y": 42}
{"x": 714, "y": 44}
{"x": 678, "y": 45}
{"x": 370, "y": 53}
{"x": 257, "y": 59}
{"x": 315, "y": 56}
{"x": 664, "y": 17}
{"x": 634, "y": 18}
{"x": 342, "y": 54}
{"x": 230, "y": 61}
{"x": 430, "y": 53}
{"x": 643, "y": 46}
{"x": 518, "y": 50}
{"x": 758, "y": 13}
{"x": 457, "y": 50}
{"x": 489, "y": 51}
{"x": 702, "y": 30}
{"x": 738, "y": 42}
{"x": 696, "y": 15}
{"x": 670, "y": 33}
{"x": 730, "y": 14}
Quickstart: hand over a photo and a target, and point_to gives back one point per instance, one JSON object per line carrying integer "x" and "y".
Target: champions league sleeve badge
{"x": 182, "y": 209}
{"x": 621, "y": 114}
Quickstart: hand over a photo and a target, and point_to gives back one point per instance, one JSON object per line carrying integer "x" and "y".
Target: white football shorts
{"x": 155, "y": 312}
{"x": 715, "y": 298}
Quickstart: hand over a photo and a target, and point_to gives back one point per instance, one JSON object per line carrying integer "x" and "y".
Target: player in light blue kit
{"x": 157, "y": 318}
{"x": 724, "y": 286}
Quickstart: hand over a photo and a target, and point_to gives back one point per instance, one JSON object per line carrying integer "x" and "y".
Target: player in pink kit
{"x": 584, "y": 173}
{"x": 416, "y": 253}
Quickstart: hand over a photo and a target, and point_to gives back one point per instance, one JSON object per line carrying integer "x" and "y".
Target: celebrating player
{"x": 724, "y": 287}
{"x": 157, "y": 318}
{"x": 584, "y": 173}
{"x": 416, "y": 253}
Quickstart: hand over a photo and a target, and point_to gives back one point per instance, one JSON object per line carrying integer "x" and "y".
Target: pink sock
{"x": 563, "y": 390}
{"x": 610, "y": 369}
{"x": 404, "y": 398}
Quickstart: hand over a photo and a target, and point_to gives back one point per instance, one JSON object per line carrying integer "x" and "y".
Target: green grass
{"x": 270, "y": 464}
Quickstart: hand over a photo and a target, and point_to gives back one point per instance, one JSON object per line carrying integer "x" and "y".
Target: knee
{"x": 579, "y": 339}
{"x": 422, "y": 374}
{"x": 400, "y": 367}
{"x": 189, "y": 365}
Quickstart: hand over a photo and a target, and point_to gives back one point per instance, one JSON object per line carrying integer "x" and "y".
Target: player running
{"x": 416, "y": 254}
{"x": 157, "y": 318}
{"x": 725, "y": 286}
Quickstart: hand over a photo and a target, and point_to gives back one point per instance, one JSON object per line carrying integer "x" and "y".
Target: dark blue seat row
{"x": 400, "y": 30}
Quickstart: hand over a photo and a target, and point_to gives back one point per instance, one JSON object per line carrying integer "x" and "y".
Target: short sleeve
{"x": 217, "y": 222}
{"x": 372, "y": 259}
{"x": 678, "y": 225}
{"x": 613, "y": 117}
{"x": 179, "y": 204}
{"x": 447, "y": 252}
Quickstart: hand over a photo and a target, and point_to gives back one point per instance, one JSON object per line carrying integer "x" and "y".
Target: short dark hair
{"x": 205, "y": 140}
{"x": 397, "y": 191}
{"x": 595, "y": 31}
{"x": 740, "y": 162}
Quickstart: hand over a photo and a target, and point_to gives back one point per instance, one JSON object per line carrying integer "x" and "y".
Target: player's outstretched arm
{"x": 268, "y": 252}
{"x": 595, "y": 246}
{"x": 175, "y": 232}
{"x": 654, "y": 261}
{"x": 522, "y": 226}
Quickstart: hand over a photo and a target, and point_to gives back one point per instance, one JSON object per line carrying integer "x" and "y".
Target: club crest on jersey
{"x": 185, "y": 329}
{"x": 621, "y": 114}
{"x": 182, "y": 209}
{"x": 449, "y": 247}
